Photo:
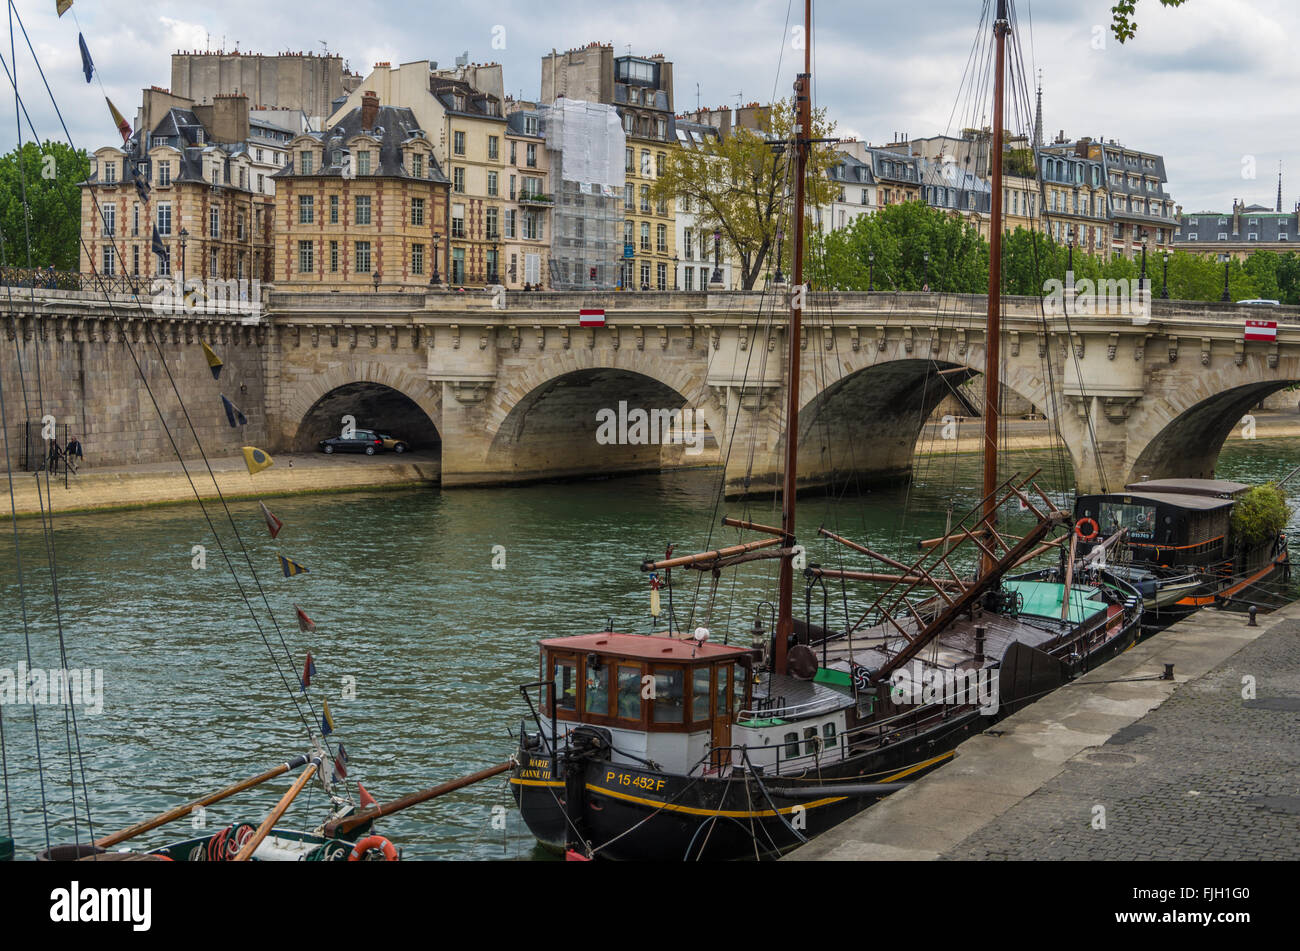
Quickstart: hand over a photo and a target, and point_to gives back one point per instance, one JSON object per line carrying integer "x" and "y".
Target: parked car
{"x": 1261, "y": 302}
{"x": 361, "y": 440}
{"x": 393, "y": 443}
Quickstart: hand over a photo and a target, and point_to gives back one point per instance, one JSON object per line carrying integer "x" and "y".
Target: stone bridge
{"x": 512, "y": 389}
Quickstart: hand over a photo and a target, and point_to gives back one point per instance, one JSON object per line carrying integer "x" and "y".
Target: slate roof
{"x": 394, "y": 127}
{"x": 1269, "y": 225}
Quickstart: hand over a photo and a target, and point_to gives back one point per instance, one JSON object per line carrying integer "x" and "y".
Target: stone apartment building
{"x": 299, "y": 81}
{"x": 641, "y": 89}
{"x": 361, "y": 205}
{"x": 1240, "y": 233}
{"x": 201, "y": 196}
{"x": 529, "y": 199}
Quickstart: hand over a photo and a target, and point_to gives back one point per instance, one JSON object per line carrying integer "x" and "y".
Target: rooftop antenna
{"x": 697, "y": 97}
{"x": 1279, "y": 186}
{"x": 740, "y": 98}
{"x": 325, "y": 47}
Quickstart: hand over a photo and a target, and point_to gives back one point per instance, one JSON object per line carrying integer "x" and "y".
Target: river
{"x": 421, "y": 642}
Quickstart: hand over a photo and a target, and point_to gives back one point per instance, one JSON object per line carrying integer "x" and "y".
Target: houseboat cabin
{"x": 1169, "y": 522}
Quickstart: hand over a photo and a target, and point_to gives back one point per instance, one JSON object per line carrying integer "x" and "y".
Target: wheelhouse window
{"x": 669, "y": 701}
{"x": 700, "y": 693}
{"x": 597, "y": 689}
{"x": 565, "y": 675}
{"x": 629, "y": 693}
{"x": 720, "y": 689}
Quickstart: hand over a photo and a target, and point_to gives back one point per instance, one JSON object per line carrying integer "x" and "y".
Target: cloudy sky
{"x": 1206, "y": 85}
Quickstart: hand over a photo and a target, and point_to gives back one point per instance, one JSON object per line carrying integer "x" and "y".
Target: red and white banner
{"x": 1261, "y": 330}
{"x": 591, "y": 317}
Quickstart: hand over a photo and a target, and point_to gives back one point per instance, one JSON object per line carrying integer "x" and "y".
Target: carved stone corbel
{"x": 373, "y": 333}
{"x": 1077, "y": 340}
{"x": 541, "y": 336}
{"x": 334, "y": 336}
{"x": 1140, "y": 350}
{"x": 1173, "y": 349}
{"x": 514, "y": 336}
{"x": 742, "y": 338}
{"x": 934, "y": 340}
{"x": 1205, "y": 351}
{"x": 962, "y": 343}
{"x": 880, "y": 337}
{"x": 639, "y": 335}
{"x": 315, "y": 337}
{"x": 613, "y": 331}
{"x": 715, "y": 337}
{"x": 484, "y": 337}
{"x": 415, "y": 336}
{"x": 854, "y": 342}
{"x": 663, "y": 336}
{"x": 564, "y": 337}
{"x": 908, "y": 339}
{"x": 828, "y": 333}
{"x": 1240, "y": 352}
{"x": 392, "y": 336}
{"x": 1013, "y": 342}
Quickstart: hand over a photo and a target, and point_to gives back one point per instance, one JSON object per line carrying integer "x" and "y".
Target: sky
{"x": 1205, "y": 84}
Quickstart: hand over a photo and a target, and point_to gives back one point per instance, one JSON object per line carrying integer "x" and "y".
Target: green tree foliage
{"x": 1122, "y": 23}
{"x": 900, "y": 236}
{"x": 51, "y": 174}
{"x": 1260, "y": 513}
{"x": 740, "y": 185}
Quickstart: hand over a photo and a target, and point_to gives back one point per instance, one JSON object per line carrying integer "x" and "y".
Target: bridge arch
{"x": 382, "y": 398}
{"x": 575, "y": 414}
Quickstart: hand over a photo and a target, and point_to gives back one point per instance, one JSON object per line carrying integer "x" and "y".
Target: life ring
{"x": 373, "y": 842}
{"x": 1078, "y": 529}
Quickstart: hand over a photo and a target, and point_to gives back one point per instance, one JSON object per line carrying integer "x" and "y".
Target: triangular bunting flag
{"x": 327, "y": 722}
{"x": 233, "y": 414}
{"x": 256, "y": 459}
{"x": 87, "y": 66}
{"x": 122, "y": 125}
{"x": 273, "y": 524}
{"x": 291, "y": 568}
{"x": 214, "y": 361}
{"x": 141, "y": 186}
{"x": 308, "y": 671}
{"x": 304, "y": 622}
{"x": 341, "y": 764}
{"x": 63, "y": 6}
{"x": 367, "y": 800}
{"x": 160, "y": 249}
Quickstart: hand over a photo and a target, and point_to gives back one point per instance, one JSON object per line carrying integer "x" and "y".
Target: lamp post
{"x": 1225, "y": 260}
{"x": 1142, "y": 278}
{"x": 1069, "y": 254}
{"x": 925, "y": 256}
{"x": 435, "y": 280}
{"x": 675, "y": 260}
{"x": 375, "y": 276}
{"x": 1164, "y": 289}
{"x": 780, "y": 251}
{"x": 185, "y": 236}
{"x": 717, "y": 257}
{"x": 871, "y": 271}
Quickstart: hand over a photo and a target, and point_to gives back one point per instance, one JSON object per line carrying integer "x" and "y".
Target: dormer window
{"x": 304, "y": 163}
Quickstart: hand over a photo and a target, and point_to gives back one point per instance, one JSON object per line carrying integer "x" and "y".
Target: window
{"x": 135, "y": 260}
{"x": 492, "y": 184}
{"x": 239, "y": 226}
{"x": 645, "y": 277}
{"x": 458, "y": 143}
{"x": 417, "y": 166}
{"x": 417, "y": 211}
{"x": 363, "y": 162}
{"x": 660, "y": 160}
{"x": 492, "y": 221}
{"x": 110, "y": 172}
{"x": 531, "y": 160}
{"x": 792, "y": 745}
{"x": 458, "y": 179}
{"x": 492, "y": 275}
{"x": 661, "y": 238}
{"x": 531, "y": 126}
{"x": 1252, "y": 236}
{"x": 458, "y": 221}
{"x": 261, "y": 183}
{"x": 305, "y": 262}
{"x": 334, "y": 256}
{"x": 533, "y": 225}
{"x": 645, "y": 163}
{"x": 363, "y": 209}
{"x": 214, "y": 223}
{"x": 109, "y": 267}
{"x": 110, "y": 219}
{"x": 361, "y": 259}
{"x": 629, "y": 692}
{"x": 688, "y": 241}
{"x": 164, "y": 217}
{"x": 629, "y": 197}
{"x": 566, "y": 682}
{"x": 304, "y": 163}
{"x": 688, "y": 279}
{"x": 417, "y": 259}
{"x": 661, "y": 207}
{"x": 811, "y": 741}
{"x": 306, "y": 209}
{"x": 164, "y": 265}
{"x": 458, "y": 265}
{"x": 1223, "y": 236}
{"x": 510, "y": 223}
{"x": 828, "y": 735}
{"x": 514, "y": 153}
{"x": 661, "y": 127}
{"x": 645, "y": 236}
{"x": 259, "y": 155}
{"x": 597, "y": 700}
{"x": 700, "y": 693}
{"x": 165, "y": 172}
{"x": 669, "y": 702}
{"x": 494, "y": 147}
{"x": 212, "y": 263}
{"x": 334, "y": 209}
{"x": 645, "y": 199}
{"x": 629, "y": 159}
{"x": 627, "y": 122}
{"x": 662, "y": 276}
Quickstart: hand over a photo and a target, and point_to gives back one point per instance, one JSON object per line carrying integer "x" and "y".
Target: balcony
{"x": 540, "y": 201}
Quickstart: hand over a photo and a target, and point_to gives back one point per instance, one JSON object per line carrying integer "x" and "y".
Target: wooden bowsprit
{"x": 341, "y": 827}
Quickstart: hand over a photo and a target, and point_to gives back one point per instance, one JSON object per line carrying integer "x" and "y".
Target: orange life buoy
{"x": 1078, "y": 529}
{"x": 373, "y": 842}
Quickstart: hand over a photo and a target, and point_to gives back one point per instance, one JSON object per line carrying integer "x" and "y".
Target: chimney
{"x": 369, "y": 109}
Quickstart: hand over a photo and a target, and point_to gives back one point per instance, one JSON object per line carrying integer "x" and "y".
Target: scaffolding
{"x": 585, "y": 142}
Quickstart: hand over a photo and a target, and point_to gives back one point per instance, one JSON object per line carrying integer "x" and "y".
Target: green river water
{"x": 409, "y": 610}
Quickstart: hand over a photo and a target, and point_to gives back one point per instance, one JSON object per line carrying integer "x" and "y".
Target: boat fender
{"x": 1086, "y": 528}
{"x": 370, "y": 843}
{"x": 1074, "y": 664}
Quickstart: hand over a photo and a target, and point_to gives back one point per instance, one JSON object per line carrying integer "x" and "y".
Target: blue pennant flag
{"x": 341, "y": 764}
{"x": 233, "y": 414}
{"x": 87, "y": 66}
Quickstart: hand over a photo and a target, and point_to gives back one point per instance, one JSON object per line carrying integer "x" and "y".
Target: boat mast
{"x": 993, "y": 345}
{"x": 802, "y": 137}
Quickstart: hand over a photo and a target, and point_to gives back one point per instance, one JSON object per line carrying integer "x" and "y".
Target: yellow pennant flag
{"x": 214, "y": 361}
{"x": 122, "y": 125}
{"x": 63, "y": 6}
{"x": 256, "y": 459}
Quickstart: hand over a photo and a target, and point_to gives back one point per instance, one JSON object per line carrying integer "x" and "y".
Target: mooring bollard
{"x": 1251, "y": 622}
{"x": 1169, "y": 672}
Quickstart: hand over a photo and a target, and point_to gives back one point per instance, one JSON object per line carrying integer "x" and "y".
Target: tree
{"x": 50, "y": 174}
{"x": 1122, "y": 24}
{"x": 739, "y": 185}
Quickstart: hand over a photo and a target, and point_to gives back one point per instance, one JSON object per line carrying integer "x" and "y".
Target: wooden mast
{"x": 802, "y": 136}
{"x": 993, "y": 345}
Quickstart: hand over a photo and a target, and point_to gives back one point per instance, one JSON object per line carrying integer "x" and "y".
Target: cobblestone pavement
{"x": 1209, "y": 774}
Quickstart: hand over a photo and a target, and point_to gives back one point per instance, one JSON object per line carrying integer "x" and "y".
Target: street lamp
{"x": 780, "y": 251}
{"x": 871, "y": 271}
{"x": 1069, "y": 252}
{"x": 376, "y": 279}
{"x": 926, "y": 257}
{"x": 1142, "y": 278}
{"x": 675, "y": 260}
{"x": 435, "y": 279}
{"x": 717, "y": 253}
{"x": 185, "y": 235}
{"x": 1164, "y": 290}
{"x": 1225, "y": 259}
